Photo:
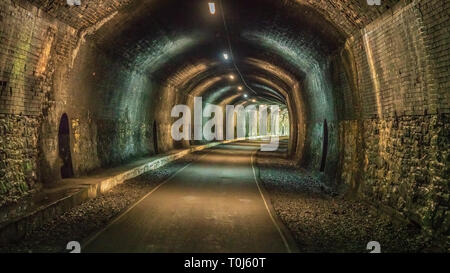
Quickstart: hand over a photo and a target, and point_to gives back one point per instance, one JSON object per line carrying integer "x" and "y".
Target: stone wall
{"x": 49, "y": 68}
{"x": 394, "y": 148}
{"x": 402, "y": 164}
{"x": 18, "y": 156}
{"x": 31, "y": 46}
{"x": 406, "y": 167}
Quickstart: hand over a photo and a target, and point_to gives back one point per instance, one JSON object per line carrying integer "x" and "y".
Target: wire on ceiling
{"x": 231, "y": 49}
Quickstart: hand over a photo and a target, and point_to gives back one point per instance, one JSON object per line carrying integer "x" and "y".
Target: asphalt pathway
{"x": 214, "y": 204}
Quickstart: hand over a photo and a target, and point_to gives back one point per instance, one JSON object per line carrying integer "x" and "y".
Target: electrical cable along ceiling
{"x": 171, "y": 39}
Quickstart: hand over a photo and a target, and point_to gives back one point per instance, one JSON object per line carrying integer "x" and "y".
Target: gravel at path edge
{"x": 322, "y": 222}
{"x": 80, "y": 222}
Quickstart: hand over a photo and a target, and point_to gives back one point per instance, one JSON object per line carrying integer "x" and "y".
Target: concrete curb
{"x": 16, "y": 229}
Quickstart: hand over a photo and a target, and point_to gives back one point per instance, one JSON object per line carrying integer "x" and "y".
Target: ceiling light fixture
{"x": 225, "y": 56}
{"x": 231, "y": 77}
{"x": 240, "y": 88}
{"x": 231, "y": 49}
{"x": 212, "y": 8}
{"x": 245, "y": 95}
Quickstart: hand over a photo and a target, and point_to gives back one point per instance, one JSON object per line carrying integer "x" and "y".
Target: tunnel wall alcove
{"x": 64, "y": 149}
{"x": 383, "y": 90}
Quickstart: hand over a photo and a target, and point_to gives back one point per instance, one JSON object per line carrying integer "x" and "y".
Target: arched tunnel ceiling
{"x": 174, "y": 44}
{"x": 180, "y": 43}
{"x": 356, "y": 12}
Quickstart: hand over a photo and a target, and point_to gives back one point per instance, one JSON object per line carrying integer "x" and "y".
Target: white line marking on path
{"x": 267, "y": 207}
{"x": 139, "y": 201}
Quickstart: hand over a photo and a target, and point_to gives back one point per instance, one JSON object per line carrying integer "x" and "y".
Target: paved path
{"x": 212, "y": 205}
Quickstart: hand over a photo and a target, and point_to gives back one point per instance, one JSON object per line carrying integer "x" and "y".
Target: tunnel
{"x": 359, "y": 89}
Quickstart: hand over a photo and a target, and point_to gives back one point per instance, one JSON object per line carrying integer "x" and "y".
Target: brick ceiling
{"x": 347, "y": 15}
{"x": 171, "y": 38}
